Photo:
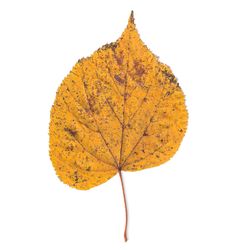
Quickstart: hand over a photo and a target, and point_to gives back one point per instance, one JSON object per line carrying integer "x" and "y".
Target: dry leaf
{"x": 120, "y": 109}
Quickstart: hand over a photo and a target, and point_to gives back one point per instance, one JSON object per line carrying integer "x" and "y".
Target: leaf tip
{"x": 131, "y": 17}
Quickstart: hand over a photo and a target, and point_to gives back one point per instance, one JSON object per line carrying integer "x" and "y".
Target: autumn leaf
{"x": 118, "y": 110}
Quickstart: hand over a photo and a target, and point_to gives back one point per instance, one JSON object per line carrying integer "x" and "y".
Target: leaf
{"x": 120, "y": 109}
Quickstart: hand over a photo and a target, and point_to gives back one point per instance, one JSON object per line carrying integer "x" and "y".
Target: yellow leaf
{"x": 119, "y": 109}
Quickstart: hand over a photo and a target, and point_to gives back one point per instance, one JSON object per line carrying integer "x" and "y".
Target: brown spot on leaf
{"x": 76, "y": 178}
{"x": 170, "y": 76}
{"x": 119, "y": 79}
{"x": 71, "y": 131}
{"x": 141, "y": 84}
{"x": 139, "y": 69}
{"x": 69, "y": 148}
{"x": 119, "y": 59}
{"x": 109, "y": 46}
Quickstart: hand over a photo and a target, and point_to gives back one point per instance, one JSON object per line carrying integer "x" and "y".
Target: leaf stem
{"x": 125, "y": 204}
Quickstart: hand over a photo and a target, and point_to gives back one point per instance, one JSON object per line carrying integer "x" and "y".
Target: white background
{"x": 198, "y": 200}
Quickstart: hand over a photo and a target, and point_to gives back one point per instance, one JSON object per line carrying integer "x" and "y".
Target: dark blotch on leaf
{"x": 170, "y": 76}
{"x": 119, "y": 79}
{"x": 70, "y": 131}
